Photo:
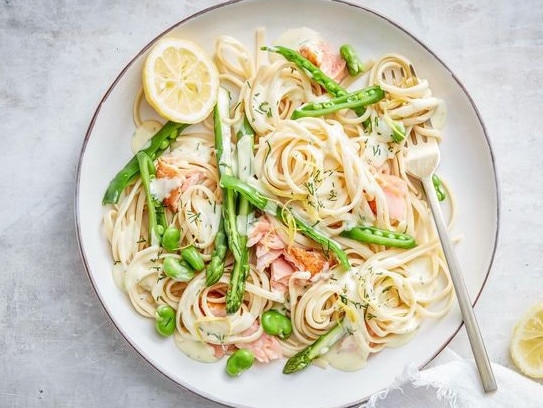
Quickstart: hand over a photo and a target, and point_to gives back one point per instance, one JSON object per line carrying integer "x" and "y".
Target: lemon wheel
{"x": 180, "y": 80}
{"x": 527, "y": 342}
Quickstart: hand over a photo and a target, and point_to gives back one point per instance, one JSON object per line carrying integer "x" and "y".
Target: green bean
{"x": 373, "y": 235}
{"x": 354, "y": 65}
{"x": 240, "y": 361}
{"x": 165, "y": 320}
{"x": 158, "y": 143}
{"x": 357, "y": 99}
{"x": 177, "y": 270}
{"x": 276, "y": 324}
{"x": 170, "y": 239}
{"x": 193, "y": 258}
{"x": 438, "y": 186}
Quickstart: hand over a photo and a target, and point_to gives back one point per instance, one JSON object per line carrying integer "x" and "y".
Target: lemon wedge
{"x": 180, "y": 80}
{"x": 527, "y": 342}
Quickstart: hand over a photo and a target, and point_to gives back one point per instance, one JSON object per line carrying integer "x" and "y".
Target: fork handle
{"x": 468, "y": 315}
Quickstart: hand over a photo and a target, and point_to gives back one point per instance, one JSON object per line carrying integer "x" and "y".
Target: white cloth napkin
{"x": 455, "y": 384}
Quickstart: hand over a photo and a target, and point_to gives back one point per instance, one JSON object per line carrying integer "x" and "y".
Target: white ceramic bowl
{"x": 466, "y": 163}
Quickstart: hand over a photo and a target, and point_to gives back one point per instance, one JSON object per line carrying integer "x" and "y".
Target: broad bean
{"x": 276, "y": 324}
{"x": 170, "y": 239}
{"x": 177, "y": 269}
{"x": 239, "y": 361}
{"x": 165, "y": 320}
{"x": 191, "y": 255}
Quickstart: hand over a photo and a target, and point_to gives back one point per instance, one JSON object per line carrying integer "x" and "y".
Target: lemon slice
{"x": 180, "y": 81}
{"x": 527, "y": 342}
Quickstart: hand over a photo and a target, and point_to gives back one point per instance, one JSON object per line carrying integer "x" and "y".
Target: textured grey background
{"x": 57, "y": 58}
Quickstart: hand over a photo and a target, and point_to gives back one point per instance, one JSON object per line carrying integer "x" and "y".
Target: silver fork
{"x": 421, "y": 162}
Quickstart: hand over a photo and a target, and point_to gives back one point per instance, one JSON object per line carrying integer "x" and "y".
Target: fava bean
{"x": 276, "y": 324}
{"x": 239, "y": 361}
{"x": 177, "y": 269}
{"x": 193, "y": 257}
{"x": 170, "y": 239}
{"x": 165, "y": 320}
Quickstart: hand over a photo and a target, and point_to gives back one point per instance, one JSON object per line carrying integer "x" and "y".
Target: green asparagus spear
{"x": 233, "y": 220}
{"x": 354, "y": 65}
{"x": 223, "y": 148}
{"x": 327, "y": 244}
{"x": 155, "y": 211}
{"x": 357, "y": 99}
{"x": 158, "y": 143}
{"x": 238, "y": 275}
{"x": 245, "y": 144}
{"x": 320, "y": 347}
{"x": 215, "y": 267}
{"x": 262, "y": 202}
{"x": 236, "y": 286}
{"x": 254, "y": 196}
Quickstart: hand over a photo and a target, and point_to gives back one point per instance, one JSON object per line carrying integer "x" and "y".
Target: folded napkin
{"x": 455, "y": 383}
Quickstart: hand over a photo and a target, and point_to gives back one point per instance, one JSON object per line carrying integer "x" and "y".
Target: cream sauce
{"x": 401, "y": 339}
{"x": 213, "y": 329}
{"x": 143, "y": 133}
{"x": 245, "y": 169}
{"x": 192, "y": 147}
{"x": 439, "y": 116}
{"x": 347, "y": 355}
{"x": 296, "y": 37}
{"x": 161, "y": 188}
{"x": 195, "y": 349}
{"x": 118, "y": 275}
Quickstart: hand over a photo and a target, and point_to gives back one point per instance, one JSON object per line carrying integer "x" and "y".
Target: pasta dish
{"x": 283, "y": 224}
